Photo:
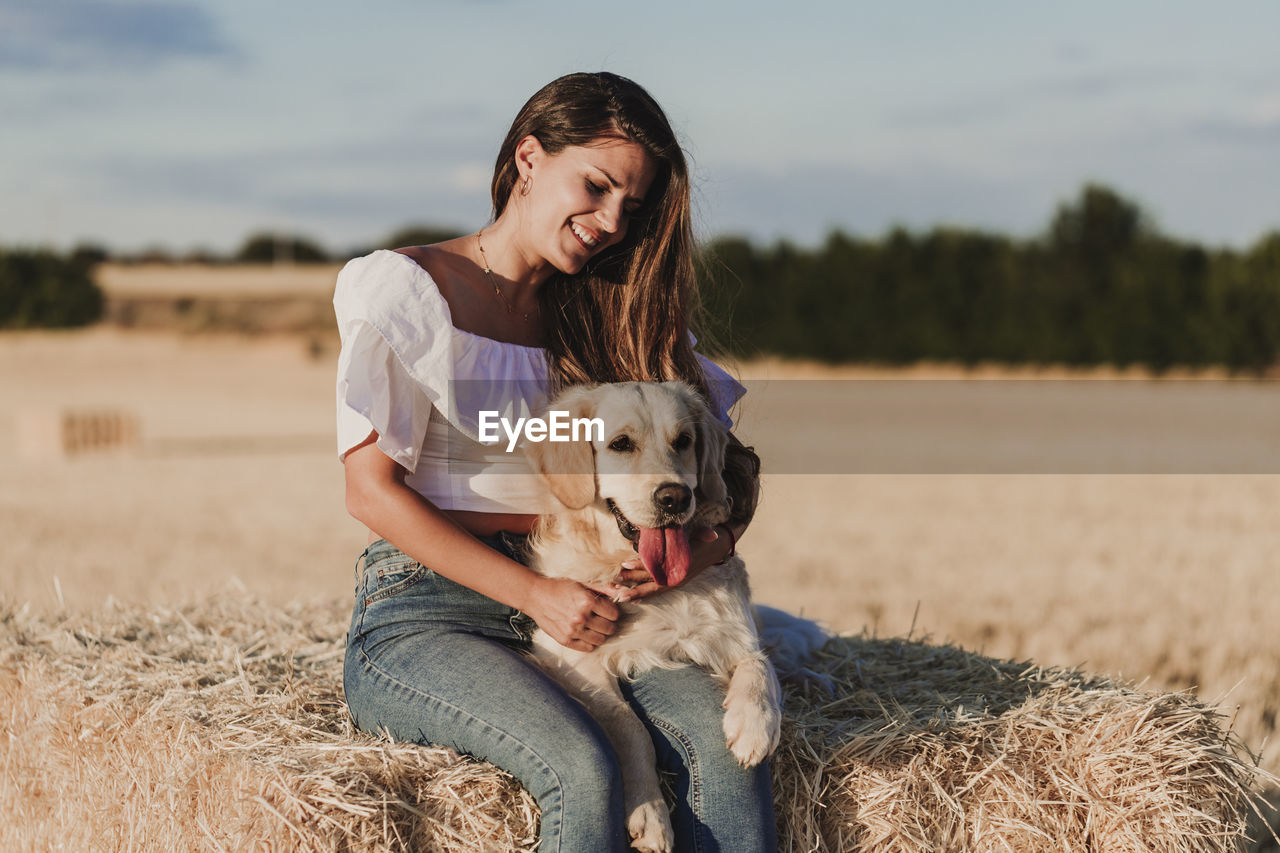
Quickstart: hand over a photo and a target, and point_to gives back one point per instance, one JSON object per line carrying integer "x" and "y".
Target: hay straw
{"x": 221, "y": 726}
{"x": 926, "y": 747}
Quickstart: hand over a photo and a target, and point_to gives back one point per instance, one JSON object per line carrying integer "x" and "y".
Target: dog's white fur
{"x": 706, "y": 621}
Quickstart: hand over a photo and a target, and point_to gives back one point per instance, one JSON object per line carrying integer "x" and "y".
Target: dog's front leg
{"x": 753, "y": 710}
{"x": 648, "y": 821}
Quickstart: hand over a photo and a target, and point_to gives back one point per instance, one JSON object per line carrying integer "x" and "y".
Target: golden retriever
{"x": 654, "y": 474}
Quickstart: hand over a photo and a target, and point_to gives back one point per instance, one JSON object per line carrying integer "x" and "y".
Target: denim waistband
{"x": 392, "y": 588}
{"x": 513, "y": 545}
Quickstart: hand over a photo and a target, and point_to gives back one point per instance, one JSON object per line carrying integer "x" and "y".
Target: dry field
{"x": 1169, "y": 579}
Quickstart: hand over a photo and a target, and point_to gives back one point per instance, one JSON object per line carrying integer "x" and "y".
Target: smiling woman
{"x": 585, "y": 274}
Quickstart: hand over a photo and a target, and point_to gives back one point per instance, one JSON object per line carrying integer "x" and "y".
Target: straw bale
{"x": 221, "y": 726}
{"x": 44, "y": 434}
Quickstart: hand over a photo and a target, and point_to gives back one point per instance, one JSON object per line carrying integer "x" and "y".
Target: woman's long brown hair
{"x": 626, "y": 316}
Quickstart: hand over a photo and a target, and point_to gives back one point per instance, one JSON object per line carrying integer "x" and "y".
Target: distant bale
{"x": 222, "y": 726}
{"x": 59, "y": 434}
{"x": 240, "y": 298}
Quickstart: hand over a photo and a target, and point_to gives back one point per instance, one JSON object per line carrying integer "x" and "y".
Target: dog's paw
{"x": 650, "y": 828}
{"x": 753, "y": 712}
{"x": 751, "y": 731}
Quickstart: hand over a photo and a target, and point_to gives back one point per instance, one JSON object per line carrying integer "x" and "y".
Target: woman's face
{"x": 581, "y": 200}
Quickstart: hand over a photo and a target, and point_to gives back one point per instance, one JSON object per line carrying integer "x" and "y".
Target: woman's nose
{"x": 610, "y": 218}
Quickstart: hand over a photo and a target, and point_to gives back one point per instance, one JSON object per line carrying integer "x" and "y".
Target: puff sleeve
{"x": 386, "y": 316}
{"x": 403, "y": 362}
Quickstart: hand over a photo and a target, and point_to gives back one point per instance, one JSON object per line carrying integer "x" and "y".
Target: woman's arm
{"x": 574, "y": 615}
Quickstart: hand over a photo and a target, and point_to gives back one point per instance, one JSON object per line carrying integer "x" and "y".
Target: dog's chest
{"x": 707, "y": 623}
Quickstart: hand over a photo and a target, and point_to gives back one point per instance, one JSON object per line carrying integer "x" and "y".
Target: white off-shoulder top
{"x": 407, "y": 372}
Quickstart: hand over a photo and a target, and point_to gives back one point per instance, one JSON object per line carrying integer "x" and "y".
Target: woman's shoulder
{"x": 395, "y": 324}
{"x": 440, "y": 262}
{"x": 391, "y": 295}
{"x": 386, "y": 295}
{"x": 390, "y": 286}
{"x": 386, "y": 271}
{"x": 423, "y": 281}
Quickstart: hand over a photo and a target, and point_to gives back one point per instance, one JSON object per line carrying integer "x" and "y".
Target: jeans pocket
{"x": 391, "y": 577}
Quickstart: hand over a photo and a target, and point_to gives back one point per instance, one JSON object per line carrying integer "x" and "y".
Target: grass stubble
{"x": 221, "y": 726}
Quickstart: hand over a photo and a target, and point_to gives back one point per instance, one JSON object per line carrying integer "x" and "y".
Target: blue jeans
{"x": 432, "y": 661}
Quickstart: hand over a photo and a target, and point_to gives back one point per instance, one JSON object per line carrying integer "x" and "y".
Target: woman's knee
{"x": 517, "y": 720}
{"x": 699, "y": 745}
{"x": 720, "y": 805}
{"x": 683, "y": 709}
{"x": 582, "y": 768}
{"x": 685, "y": 704}
{"x": 578, "y": 787}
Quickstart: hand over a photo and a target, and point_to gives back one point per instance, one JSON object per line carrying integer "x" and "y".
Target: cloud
{"x": 472, "y": 177}
{"x": 1266, "y": 109}
{"x": 1075, "y": 52}
{"x": 805, "y": 203}
{"x": 396, "y": 161}
{"x": 75, "y": 35}
{"x": 1032, "y": 96}
{"x": 344, "y": 193}
{"x": 1237, "y": 131}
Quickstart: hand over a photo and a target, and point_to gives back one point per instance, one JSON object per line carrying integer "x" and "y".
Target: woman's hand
{"x": 707, "y": 547}
{"x": 575, "y": 616}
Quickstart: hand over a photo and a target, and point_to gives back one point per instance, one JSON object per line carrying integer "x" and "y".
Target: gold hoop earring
{"x": 524, "y": 188}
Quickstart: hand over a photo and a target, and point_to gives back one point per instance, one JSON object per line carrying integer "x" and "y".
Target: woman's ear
{"x": 569, "y": 467}
{"x": 529, "y": 154}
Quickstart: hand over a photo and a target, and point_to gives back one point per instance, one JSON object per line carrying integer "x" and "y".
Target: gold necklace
{"x": 488, "y": 273}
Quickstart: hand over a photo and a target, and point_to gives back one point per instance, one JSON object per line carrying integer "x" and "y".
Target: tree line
{"x": 41, "y": 288}
{"x": 1100, "y": 286}
{"x": 270, "y": 247}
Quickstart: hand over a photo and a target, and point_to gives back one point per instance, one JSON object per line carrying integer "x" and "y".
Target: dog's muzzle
{"x": 625, "y": 527}
{"x": 663, "y": 550}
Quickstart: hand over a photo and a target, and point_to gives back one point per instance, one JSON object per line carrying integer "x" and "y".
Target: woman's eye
{"x": 682, "y": 442}
{"x": 594, "y": 188}
{"x": 621, "y": 444}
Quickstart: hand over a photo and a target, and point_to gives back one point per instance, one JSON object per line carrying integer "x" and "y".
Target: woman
{"x": 585, "y": 274}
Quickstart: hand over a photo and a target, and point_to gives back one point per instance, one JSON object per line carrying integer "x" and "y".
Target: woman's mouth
{"x": 584, "y": 236}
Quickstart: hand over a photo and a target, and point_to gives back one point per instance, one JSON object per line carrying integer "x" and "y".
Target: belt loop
{"x": 355, "y": 570}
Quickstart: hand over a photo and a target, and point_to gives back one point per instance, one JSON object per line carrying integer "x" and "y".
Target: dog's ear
{"x": 713, "y": 437}
{"x": 569, "y": 467}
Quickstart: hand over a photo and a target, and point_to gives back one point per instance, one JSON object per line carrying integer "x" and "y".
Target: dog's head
{"x": 657, "y": 466}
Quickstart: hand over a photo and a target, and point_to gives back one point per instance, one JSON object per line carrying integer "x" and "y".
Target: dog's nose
{"x": 673, "y": 497}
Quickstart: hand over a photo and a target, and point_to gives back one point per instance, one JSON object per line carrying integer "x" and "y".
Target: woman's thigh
{"x": 431, "y": 662}
{"x": 468, "y": 692}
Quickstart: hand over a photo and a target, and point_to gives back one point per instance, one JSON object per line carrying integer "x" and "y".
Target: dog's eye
{"x": 682, "y": 442}
{"x": 622, "y": 444}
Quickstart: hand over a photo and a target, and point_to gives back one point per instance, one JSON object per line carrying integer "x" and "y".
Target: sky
{"x": 190, "y": 124}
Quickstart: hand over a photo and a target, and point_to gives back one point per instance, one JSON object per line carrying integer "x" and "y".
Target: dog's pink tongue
{"x": 665, "y": 554}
